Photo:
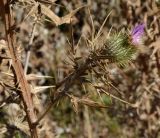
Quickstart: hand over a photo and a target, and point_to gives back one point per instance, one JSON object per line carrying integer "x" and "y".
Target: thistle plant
{"x": 118, "y": 48}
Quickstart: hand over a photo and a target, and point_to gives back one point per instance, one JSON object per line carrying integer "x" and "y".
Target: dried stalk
{"x": 19, "y": 72}
{"x": 87, "y": 126}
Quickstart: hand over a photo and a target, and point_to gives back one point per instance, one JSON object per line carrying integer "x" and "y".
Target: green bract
{"x": 118, "y": 48}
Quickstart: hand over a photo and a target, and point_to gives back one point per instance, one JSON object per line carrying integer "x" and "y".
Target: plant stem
{"x": 18, "y": 69}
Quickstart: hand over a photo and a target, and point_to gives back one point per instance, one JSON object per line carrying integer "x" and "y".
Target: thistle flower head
{"x": 121, "y": 47}
{"x": 137, "y": 34}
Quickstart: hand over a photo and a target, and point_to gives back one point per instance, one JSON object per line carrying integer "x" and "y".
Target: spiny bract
{"x": 121, "y": 47}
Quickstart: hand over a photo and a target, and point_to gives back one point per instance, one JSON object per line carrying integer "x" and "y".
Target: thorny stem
{"x": 68, "y": 82}
{"x": 19, "y": 72}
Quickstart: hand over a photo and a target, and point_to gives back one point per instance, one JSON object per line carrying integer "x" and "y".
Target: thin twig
{"x": 29, "y": 47}
{"x": 100, "y": 30}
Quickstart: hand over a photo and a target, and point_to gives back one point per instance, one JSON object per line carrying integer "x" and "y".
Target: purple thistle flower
{"x": 137, "y": 34}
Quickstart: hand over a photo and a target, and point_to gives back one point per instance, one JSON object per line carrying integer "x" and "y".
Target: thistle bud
{"x": 121, "y": 47}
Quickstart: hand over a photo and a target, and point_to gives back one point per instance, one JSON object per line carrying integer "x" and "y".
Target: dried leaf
{"x": 85, "y": 101}
{"x": 37, "y": 77}
{"x": 41, "y": 88}
{"x": 74, "y": 101}
{"x": 49, "y": 13}
{"x": 89, "y": 102}
{"x": 47, "y": 1}
{"x": 58, "y": 20}
{"x": 67, "y": 18}
{"x": 32, "y": 11}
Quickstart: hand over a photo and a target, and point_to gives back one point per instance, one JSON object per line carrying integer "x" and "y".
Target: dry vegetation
{"x": 55, "y": 81}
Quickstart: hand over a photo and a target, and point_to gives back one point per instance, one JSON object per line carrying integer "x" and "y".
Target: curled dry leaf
{"x": 59, "y": 20}
{"x": 85, "y": 101}
{"x": 37, "y": 77}
{"x": 89, "y": 102}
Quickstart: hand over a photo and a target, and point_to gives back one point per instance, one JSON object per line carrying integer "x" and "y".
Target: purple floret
{"x": 137, "y": 34}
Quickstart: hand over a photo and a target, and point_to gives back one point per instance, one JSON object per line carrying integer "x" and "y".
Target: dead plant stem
{"x": 19, "y": 72}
